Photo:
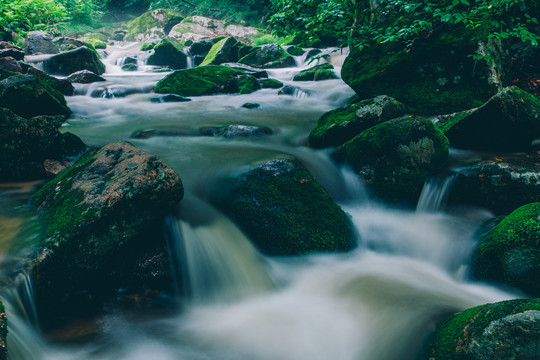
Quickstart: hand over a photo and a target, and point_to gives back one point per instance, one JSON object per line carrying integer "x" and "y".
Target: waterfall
{"x": 217, "y": 261}
{"x": 435, "y": 194}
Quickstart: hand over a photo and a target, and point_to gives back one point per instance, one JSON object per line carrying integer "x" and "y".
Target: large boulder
{"x": 500, "y": 183}
{"x": 104, "y": 210}
{"x": 509, "y": 253}
{"x": 205, "y": 80}
{"x": 168, "y": 54}
{"x": 38, "y": 42}
{"x": 227, "y": 50}
{"x": 29, "y": 95}
{"x": 62, "y": 85}
{"x": 436, "y": 75}
{"x": 197, "y": 28}
{"x": 268, "y": 56}
{"x": 67, "y": 43}
{"x": 153, "y": 25}
{"x": 396, "y": 157}
{"x": 75, "y": 60}
{"x": 316, "y": 73}
{"x": 285, "y": 211}
{"x": 338, "y": 126}
{"x": 509, "y": 121}
{"x": 498, "y": 331}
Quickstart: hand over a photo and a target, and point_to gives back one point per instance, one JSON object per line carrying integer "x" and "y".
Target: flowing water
{"x": 377, "y": 302}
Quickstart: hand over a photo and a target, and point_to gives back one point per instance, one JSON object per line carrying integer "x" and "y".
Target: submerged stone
{"x": 168, "y": 98}
{"x": 234, "y": 131}
{"x": 85, "y": 77}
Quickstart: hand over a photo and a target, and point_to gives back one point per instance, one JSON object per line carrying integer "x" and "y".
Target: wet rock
{"x": 67, "y": 43}
{"x": 509, "y": 121}
{"x": 271, "y": 84}
{"x": 251, "y": 105}
{"x": 85, "y": 77}
{"x": 508, "y": 254}
{"x": 312, "y": 53}
{"x": 10, "y": 64}
{"x": 7, "y": 45}
{"x": 316, "y": 73}
{"x": 499, "y": 183}
{"x": 248, "y": 84}
{"x": 255, "y": 72}
{"x": 295, "y": 50}
{"x": 28, "y": 96}
{"x": 129, "y": 67}
{"x": 288, "y": 90}
{"x": 14, "y": 53}
{"x": 268, "y": 56}
{"x": 153, "y": 25}
{"x": 38, "y": 42}
{"x": 147, "y": 134}
{"x": 168, "y": 54}
{"x": 228, "y": 50}
{"x": 285, "y": 211}
{"x": 234, "y": 131}
{"x": 338, "y": 126}
{"x": 201, "y": 47}
{"x": 204, "y": 80}
{"x": 169, "y": 98}
{"x": 106, "y": 209}
{"x": 62, "y": 85}
{"x": 499, "y": 331}
{"x": 396, "y": 157}
{"x": 74, "y": 60}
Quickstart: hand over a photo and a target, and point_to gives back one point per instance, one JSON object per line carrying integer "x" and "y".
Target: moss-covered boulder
{"x": 227, "y": 50}
{"x": 3, "y": 332}
{"x": 498, "y": 331}
{"x": 25, "y": 145}
{"x": 62, "y": 85}
{"x": 271, "y": 84}
{"x": 295, "y": 50}
{"x": 104, "y": 210}
{"x": 248, "y": 84}
{"x": 338, "y": 126}
{"x": 29, "y": 96}
{"x": 509, "y": 253}
{"x": 166, "y": 53}
{"x": 148, "y": 46}
{"x": 500, "y": 183}
{"x": 67, "y": 43}
{"x": 96, "y": 43}
{"x": 436, "y": 75}
{"x": 205, "y": 80}
{"x": 75, "y": 60}
{"x": 396, "y": 157}
{"x": 153, "y": 25}
{"x": 285, "y": 211}
{"x": 268, "y": 56}
{"x": 316, "y": 73}
{"x": 509, "y": 121}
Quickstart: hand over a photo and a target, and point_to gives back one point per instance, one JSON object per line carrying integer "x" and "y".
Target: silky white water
{"x": 377, "y": 302}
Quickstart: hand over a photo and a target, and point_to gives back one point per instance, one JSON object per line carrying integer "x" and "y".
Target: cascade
{"x": 435, "y": 193}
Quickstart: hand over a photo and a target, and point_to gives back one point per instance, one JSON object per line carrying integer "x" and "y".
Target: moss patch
{"x": 248, "y": 84}
{"x": 271, "y": 84}
{"x": 316, "y": 73}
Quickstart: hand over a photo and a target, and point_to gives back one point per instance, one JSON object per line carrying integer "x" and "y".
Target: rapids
{"x": 378, "y": 302}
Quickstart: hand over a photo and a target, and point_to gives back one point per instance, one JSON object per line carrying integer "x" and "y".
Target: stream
{"x": 378, "y": 302}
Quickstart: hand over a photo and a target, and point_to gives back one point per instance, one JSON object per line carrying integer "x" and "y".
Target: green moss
{"x": 271, "y": 84}
{"x": 269, "y": 56}
{"x": 248, "y": 84}
{"x": 205, "y": 80}
{"x": 130, "y": 67}
{"x": 452, "y": 338}
{"x": 295, "y": 50}
{"x": 452, "y": 120}
{"x": 211, "y": 56}
{"x": 146, "y": 22}
{"x": 511, "y": 251}
{"x": 148, "y": 46}
{"x": 96, "y": 43}
{"x": 226, "y": 50}
{"x": 316, "y": 73}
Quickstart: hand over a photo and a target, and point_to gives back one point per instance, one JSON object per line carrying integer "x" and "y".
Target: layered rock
{"x": 197, "y": 28}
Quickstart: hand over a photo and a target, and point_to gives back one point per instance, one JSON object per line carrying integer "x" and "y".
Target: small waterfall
{"x": 190, "y": 58}
{"x": 435, "y": 194}
{"x": 217, "y": 261}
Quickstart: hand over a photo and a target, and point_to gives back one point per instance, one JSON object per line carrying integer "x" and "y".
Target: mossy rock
{"x": 295, "y": 50}
{"x": 338, "y": 126}
{"x": 100, "y": 211}
{"x": 201, "y": 47}
{"x": 199, "y": 81}
{"x": 268, "y": 56}
{"x": 226, "y": 50}
{"x": 248, "y": 84}
{"x": 166, "y": 53}
{"x": 153, "y": 24}
{"x": 396, "y": 157}
{"x": 436, "y": 75}
{"x": 64, "y": 86}
{"x": 271, "y": 84}
{"x": 130, "y": 67}
{"x": 316, "y": 73}
{"x": 509, "y": 254}
{"x": 509, "y": 121}
{"x": 3, "y": 332}
{"x": 285, "y": 211}
{"x": 148, "y": 46}
{"x": 498, "y": 331}
{"x": 96, "y": 43}
{"x": 29, "y": 96}
{"x": 68, "y": 62}
{"x": 499, "y": 182}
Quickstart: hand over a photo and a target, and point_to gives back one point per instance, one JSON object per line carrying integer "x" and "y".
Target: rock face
{"x": 436, "y": 75}
{"x": 205, "y": 80}
{"x": 168, "y": 54}
{"x": 197, "y": 28}
{"x": 38, "y": 42}
{"x": 284, "y": 211}
{"x": 268, "y": 56}
{"x": 509, "y": 253}
{"x": 74, "y": 60}
{"x": 84, "y": 77}
{"x": 316, "y": 73}
{"x": 153, "y": 25}
{"x": 499, "y": 183}
{"x": 396, "y": 157}
{"x": 509, "y": 121}
{"x": 104, "y": 209}
{"x": 499, "y": 331}
{"x": 29, "y": 96}
{"x": 227, "y": 50}
{"x": 338, "y": 126}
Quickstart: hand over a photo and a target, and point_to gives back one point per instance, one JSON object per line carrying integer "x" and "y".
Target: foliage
{"x": 23, "y": 16}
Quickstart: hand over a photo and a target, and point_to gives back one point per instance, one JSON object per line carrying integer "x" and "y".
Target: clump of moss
{"x": 167, "y": 53}
{"x": 149, "y": 22}
{"x": 226, "y": 50}
{"x": 510, "y": 253}
{"x": 271, "y": 84}
{"x": 295, "y": 50}
{"x": 248, "y": 84}
{"x": 316, "y": 73}
{"x": 268, "y": 56}
{"x": 148, "y": 46}
{"x": 96, "y": 43}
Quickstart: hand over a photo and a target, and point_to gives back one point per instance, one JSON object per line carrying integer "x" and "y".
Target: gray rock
{"x": 74, "y": 60}
{"x": 84, "y": 77}
{"x": 39, "y": 42}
